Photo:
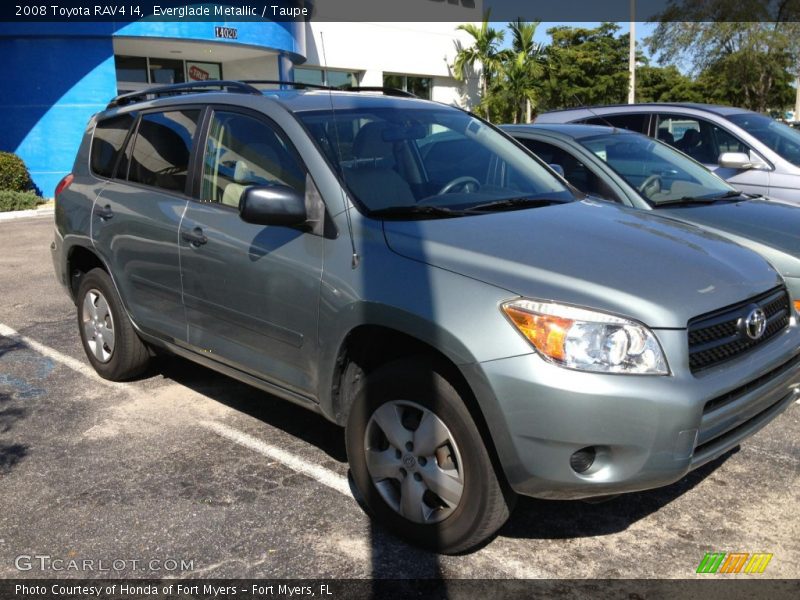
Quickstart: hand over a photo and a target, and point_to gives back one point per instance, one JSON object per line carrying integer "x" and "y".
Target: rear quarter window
{"x": 109, "y": 137}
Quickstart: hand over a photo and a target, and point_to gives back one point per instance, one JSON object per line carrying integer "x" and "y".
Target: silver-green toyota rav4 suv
{"x": 410, "y": 272}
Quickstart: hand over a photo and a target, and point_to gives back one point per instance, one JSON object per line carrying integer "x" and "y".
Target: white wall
{"x": 426, "y": 49}
{"x": 262, "y": 67}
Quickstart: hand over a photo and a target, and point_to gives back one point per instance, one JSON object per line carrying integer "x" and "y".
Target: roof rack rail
{"x": 239, "y": 87}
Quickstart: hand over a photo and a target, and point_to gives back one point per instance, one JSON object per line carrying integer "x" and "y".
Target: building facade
{"x": 62, "y": 73}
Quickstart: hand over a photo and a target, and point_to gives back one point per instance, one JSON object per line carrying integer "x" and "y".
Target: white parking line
{"x": 321, "y": 474}
{"x": 67, "y": 361}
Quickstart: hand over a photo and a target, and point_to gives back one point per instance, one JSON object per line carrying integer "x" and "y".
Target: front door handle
{"x": 105, "y": 212}
{"x": 195, "y": 237}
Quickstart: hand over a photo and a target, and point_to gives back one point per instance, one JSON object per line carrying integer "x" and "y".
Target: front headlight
{"x": 587, "y": 340}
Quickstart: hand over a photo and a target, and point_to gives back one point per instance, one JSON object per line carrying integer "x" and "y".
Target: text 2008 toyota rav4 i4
{"x": 411, "y": 273}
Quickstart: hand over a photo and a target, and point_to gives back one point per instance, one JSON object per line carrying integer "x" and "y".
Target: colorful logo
{"x": 734, "y": 562}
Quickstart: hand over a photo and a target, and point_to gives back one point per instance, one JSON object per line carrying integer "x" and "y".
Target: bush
{"x": 11, "y": 200}
{"x": 14, "y": 174}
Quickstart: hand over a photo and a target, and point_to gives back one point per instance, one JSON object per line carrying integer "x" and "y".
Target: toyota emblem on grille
{"x": 755, "y": 323}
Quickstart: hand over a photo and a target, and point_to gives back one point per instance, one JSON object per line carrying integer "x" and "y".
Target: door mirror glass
{"x": 557, "y": 168}
{"x": 734, "y": 160}
{"x": 272, "y": 205}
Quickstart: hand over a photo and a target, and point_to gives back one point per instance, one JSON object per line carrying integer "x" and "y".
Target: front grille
{"x": 721, "y": 335}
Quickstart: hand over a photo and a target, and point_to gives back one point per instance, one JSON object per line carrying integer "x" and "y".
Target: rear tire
{"x": 109, "y": 340}
{"x": 419, "y": 461}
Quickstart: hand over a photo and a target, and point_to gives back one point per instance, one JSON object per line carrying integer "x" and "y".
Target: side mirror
{"x": 735, "y": 160}
{"x": 272, "y": 205}
{"x": 557, "y": 168}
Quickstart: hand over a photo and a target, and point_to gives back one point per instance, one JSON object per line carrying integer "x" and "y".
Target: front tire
{"x": 109, "y": 340}
{"x": 419, "y": 461}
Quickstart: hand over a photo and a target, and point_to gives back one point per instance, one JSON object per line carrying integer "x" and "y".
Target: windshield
{"x": 659, "y": 173}
{"x": 780, "y": 138}
{"x": 417, "y": 158}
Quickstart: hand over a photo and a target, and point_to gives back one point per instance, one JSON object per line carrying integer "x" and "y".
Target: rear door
{"x": 136, "y": 217}
{"x": 251, "y": 291}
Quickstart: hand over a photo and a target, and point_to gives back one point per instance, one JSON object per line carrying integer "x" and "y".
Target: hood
{"x": 593, "y": 254}
{"x": 771, "y": 228}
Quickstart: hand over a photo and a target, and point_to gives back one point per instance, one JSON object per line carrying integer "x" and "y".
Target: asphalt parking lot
{"x": 188, "y": 469}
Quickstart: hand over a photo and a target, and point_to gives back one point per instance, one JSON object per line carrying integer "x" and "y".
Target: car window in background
{"x": 659, "y": 173}
{"x": 636, "y": 122}
{"x": 575, "y": 171}
{"x": 109, "y": 135}
{"x": 445, "y": 158}
{"x": 698, "y": 138}
{"x": 242, "y": 151}
{"x": 781, "y": 139}
{"x": 162, "y": 147}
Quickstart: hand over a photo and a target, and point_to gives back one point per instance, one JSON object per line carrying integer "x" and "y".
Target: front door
{"x": 705, "y": 141}
{"x": 251, "y": 292}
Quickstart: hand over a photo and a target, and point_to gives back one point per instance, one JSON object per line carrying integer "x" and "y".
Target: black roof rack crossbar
{"x": 342, "y": 88}
{"x": 294, "y": 84}
{"x": 179, "y": 88}
{"x": 386, "y": 91}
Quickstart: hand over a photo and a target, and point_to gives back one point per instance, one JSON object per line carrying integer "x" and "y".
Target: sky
{"x": 642, "y": 31}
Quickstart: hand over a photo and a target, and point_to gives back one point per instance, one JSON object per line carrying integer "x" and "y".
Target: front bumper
{"x": 647, "y": 431}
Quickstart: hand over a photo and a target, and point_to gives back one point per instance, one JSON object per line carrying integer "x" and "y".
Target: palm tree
{"x": 484, "y": 51}
{"x": 524, "y": 66}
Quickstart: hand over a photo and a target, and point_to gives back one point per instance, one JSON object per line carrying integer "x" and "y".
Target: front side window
{"x": 700, "y": 139}
{"x": 779, "y": 138}
{"x": 575, "y": 171}
{"x": 243, "y": 151}
{"x": 658, "y": 173}
{"x": 109, "y": 135}
{"x": 162, "y": 148}
{"x": 392, "y": 157}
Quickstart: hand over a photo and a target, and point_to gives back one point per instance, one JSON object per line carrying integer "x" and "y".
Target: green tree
{"x": 514, "y": 93}
{"x": 484, "y": 51}
{"x": 585, "y": 66}
{"x": 747, "y": 60}
{"x": 666, "y": 84}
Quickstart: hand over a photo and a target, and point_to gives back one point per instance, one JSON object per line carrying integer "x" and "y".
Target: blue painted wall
{"x": 59, "y": 74}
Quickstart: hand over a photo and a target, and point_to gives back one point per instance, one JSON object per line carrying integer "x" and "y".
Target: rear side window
{"x": 162, "y": 148}
{"x": 634, "y": 122}
{"x": 109, "y": 136}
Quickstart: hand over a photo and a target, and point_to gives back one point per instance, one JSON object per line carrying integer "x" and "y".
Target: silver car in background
{"x": 753, "y": 152}
{"x": 637, "y": 171}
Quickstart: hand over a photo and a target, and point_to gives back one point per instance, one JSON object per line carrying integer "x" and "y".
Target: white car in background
{"x": 753, "y": 152}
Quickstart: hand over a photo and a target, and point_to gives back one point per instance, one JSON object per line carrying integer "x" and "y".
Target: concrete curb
{"x": 23, "y": 214}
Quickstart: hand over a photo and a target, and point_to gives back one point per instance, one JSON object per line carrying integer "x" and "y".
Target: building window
{"x": 131, "y": 68}
{"x": 166, "y": 70}
{"x": 317, "y": 76}
{"x": 419, "y": 86}
{"x": 132, "y": 71}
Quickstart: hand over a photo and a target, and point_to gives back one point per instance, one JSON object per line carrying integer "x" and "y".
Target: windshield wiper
{"x": 514, "y": 203}
{"x": 417, "y": 210}
{"x": 690, "y": 200}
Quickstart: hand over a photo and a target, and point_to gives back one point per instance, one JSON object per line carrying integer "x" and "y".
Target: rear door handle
{"x": 195, "y": 237}
{"x": 105, "y": 212}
